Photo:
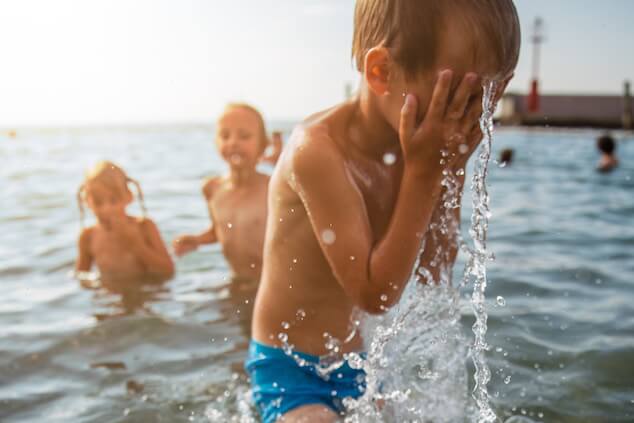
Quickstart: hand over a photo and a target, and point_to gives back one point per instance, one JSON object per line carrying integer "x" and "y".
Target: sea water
{"x": 559, "y": 336}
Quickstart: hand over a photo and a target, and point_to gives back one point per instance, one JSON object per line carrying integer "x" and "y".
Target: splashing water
{"x": 416, "y": 363}
{"x": 480, "y": 255}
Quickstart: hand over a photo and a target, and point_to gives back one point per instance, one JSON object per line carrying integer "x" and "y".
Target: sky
{"x": 83, "y": 62}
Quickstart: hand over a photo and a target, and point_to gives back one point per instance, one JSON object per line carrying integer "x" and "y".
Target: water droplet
{"x": 281, "y": 220}
{"x": 294, "y": 260}
{"x": 229, "y": 225}
{"x": 383, "y": 297}
{"x": 301, "y": 314}
{"x": 500, "y": 301}
{"x": 460, "y": 172}
{"x": 286, "y": 325}
{"x": 463, "y": 148}
{"x": 328, "y": 236}
{"x": 252, "y": 265}
{"x": 352, "y": 258}
{"x": 389, "y": 159}
{"x": 333, "y": 393}
{"x": 507, "y": 380}
{"x": 282, "y": 337}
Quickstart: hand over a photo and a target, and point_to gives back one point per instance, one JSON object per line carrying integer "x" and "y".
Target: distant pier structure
{"x": 597, "y": 111}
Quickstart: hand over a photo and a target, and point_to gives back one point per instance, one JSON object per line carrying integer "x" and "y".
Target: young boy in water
{"x": 122, "y": 246}
{"x": 236, "y": 201}
{"x": 359, "y": 185}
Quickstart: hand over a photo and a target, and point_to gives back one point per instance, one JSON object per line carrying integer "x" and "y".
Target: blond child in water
{"x": 346, "y": 224}
{"x": 236, "y": 201}
{"x": 121, "y": 246}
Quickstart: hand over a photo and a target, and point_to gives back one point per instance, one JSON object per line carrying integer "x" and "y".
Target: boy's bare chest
{"x": 379, "y": 187}
{"x": 112, "y": 252}
{"x": 239, "y": 209}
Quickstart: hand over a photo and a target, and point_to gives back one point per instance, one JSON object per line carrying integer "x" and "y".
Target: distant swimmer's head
{"x": 106, "y": 192}
{"x": 241, "y": 135}
{"x": 401, "y": 46}
{"x": 506, "y": 156}
{"x": 606, "y": 144}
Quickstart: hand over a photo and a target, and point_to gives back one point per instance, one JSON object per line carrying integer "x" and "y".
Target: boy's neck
{"x": 370, "y": 132}
{"x": 241, "y": 177}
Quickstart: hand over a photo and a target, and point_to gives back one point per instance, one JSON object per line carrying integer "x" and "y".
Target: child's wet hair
{"x": 606, "y": 144}
{"x": 264, "y": 139}
{"x": 412, "y": 30}
{"x": 113, "y": 178}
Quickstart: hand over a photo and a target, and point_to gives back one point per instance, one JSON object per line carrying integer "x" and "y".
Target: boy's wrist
{"x": 430, "y": 178}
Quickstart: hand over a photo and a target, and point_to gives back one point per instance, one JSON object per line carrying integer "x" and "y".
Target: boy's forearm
{"x": 393, "y": 258}
{"x": 441, "y": 240}
{"x": 207, "y": 237}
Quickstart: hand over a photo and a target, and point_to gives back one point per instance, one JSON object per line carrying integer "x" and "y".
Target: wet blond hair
{"x": 263, "y": 137}
{"x": 412, "y": 30}
{"x": 114, "y": 179}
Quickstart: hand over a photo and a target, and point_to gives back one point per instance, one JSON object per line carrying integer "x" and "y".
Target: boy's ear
{"x": 377, "y": 70}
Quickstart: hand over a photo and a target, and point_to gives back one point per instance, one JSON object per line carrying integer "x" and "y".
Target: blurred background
{"x": 141, "y": 83}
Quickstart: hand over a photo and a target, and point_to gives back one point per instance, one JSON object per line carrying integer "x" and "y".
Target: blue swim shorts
{"x": 280, "y": 384}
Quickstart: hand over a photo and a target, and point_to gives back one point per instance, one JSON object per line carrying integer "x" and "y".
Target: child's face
{"x": 105, "y": 204}
{"x": 457, "y": 54}
{"x": 238, "y": 138}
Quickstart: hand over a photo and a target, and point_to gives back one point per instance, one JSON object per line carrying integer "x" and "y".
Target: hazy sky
{"x": 144, "y": 61}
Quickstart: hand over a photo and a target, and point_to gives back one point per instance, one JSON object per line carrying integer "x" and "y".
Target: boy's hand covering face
{"x": 450, "y": 124}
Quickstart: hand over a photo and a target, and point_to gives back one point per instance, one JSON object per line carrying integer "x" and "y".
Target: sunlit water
{"x": 560, "y": 336}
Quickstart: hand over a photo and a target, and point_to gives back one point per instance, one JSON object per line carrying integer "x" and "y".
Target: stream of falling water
{"x": 479, "y": 255}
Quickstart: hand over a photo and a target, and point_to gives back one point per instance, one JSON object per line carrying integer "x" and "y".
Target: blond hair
{"x": 412, "y": 30}
{"x": 114, "y": 179}
{"x": 263, "y": 137}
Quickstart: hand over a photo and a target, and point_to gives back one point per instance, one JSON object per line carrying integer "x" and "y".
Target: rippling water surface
{"x": 562, "y": 335}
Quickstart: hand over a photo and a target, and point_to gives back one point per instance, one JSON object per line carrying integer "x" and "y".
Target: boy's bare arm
{"x": 373, "y": 274}
{"x": 84, "y": 258}
{"x": 441, "y": 245}
{"x": 185, "y": 244}
{"x": 153, "y": 252}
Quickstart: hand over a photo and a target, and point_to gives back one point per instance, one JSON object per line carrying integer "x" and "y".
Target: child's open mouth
{"x": 236, "y": 159}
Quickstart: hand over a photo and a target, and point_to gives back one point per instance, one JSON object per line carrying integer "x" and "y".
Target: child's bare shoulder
{"x": 315, "y": 147}
{"x": 210, "y": 185}
{"x": 86, "y": 236}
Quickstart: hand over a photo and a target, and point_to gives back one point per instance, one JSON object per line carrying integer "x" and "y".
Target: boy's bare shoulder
{"x": 210, "y": 185}
{"x": 145, "y": 223}
{"x": 315, "y": 146}
{"x": 85, "y": 236}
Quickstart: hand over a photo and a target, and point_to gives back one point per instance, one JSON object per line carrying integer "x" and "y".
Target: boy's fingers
{"x": 408, "y": 118}
{"x": 438, "y": 103}
{"x": 474, "y": 111}
{"x": 456, "y": 109}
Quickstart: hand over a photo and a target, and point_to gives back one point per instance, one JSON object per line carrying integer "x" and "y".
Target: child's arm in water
{"x": 144, "y": 240}
{"x": 373, "y": 272}
{"x": 185, "y": 244}
{"x": 84, "y": 258}
{"x": 153, "y": 252}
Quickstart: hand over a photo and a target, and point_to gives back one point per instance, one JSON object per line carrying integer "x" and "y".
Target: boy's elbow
{"x": 375, "y": 303}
